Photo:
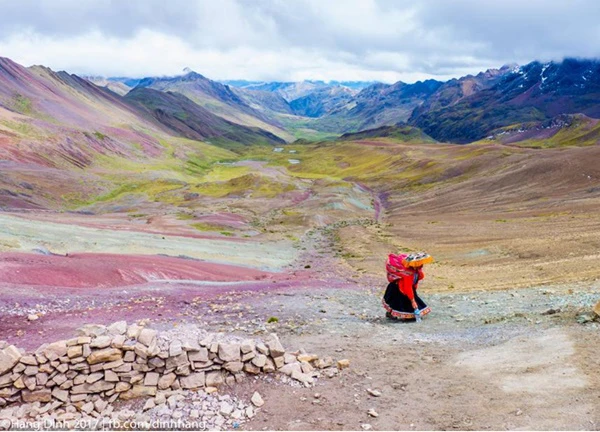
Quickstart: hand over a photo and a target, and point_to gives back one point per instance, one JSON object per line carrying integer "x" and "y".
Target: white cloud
{"x": 386, "y": 40}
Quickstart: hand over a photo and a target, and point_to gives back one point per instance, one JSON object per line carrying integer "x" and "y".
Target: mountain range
{"x": 236, "y": 113}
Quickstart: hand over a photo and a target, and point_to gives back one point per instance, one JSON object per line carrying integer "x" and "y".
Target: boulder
{"x": 9, "y": 357}
{"x": 229, "y": 352}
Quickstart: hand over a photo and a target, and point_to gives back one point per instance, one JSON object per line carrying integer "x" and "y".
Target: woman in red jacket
{"x": 401, "y": 300}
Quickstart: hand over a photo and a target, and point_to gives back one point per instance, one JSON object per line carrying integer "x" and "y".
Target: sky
{"x": 293, "y": 40}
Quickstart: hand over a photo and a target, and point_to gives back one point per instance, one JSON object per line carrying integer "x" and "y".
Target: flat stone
{"x": 129, "y": 356}
{"x": 175, "y": 348}
{"x": 302, "y": 377}
{"x": 324, "y": 362}
{"x": 251, "y": 369}
{"x": 92, "y": 330}
{"x": 138, "y": 391}
{"x": 151, "y": 379}
{"x": 198, "y": 356}
{"x": 193, "y": 381}
{"x": 30, "y": 382}
{"x": 43, "y": 395}
{"x": 374, "y": 393}
{"x": 278, "y": 362}
{"x": 373, "y": 413}
{"x": 166, "y": 381}
{"x": 260, "y": 360}
{"x": 225, "y": 408}
{"x": 275, "y": 347}
{"x": 55, "y": 350}
{"x": 148, "y": 405}
{"x": 290, "y": 368}
{"x": 343, "y": 364}
{"x": 110, "y": 376}
{"x": 113, "y": 364}
{"x": 190, "y": 345}
{"x": 306, "y": 367}
{"x": 597, "y": 309}
{"x": 100, "y": 405}
{"x": 117, "y": 328}
{"x": 229, "y": 352}
{"x": 248, "y": 356}
{"x": 29, "y": 360}
{"x": 247, "y": 346}
{"x": 177, "y": 361}
{"x": 41, "y": 378}
{"x": 262, "y": 348}
{"x": 214, "y": 379}
{"x": 147, "y": 336}
{"x": 104, "y": 355}
{"x": 257, "y": 400}
{"x": 88, "y": 407}
{"x": 122, "y": 386}
{"x": 9, "y": 357}
{"x": 234, "y": 367}
{"x": 91, "y": 379}
{"x": 101, "y": 342}
{"x": 61, "y": 395}
{"x": 156, "y": 362}
{"x": 307, "y": 358}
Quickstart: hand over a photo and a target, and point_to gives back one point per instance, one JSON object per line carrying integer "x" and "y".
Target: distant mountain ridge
{"x": 459, "y": 110}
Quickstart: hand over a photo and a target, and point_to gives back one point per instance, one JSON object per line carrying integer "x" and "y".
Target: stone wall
{"x": 106, "y": 363}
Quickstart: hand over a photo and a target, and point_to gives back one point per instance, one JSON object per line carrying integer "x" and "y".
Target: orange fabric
{"x": 405, "y": 283}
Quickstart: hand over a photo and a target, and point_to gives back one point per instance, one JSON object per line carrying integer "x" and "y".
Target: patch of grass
{"x": 99, "y": 135}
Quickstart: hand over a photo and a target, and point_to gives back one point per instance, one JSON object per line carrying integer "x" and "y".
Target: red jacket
{"x": 406, "y": 283}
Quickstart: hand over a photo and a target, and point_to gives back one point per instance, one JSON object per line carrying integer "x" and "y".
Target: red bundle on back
{"x": 394, "y": 267}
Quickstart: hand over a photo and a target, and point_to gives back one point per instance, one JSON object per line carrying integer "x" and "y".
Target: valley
{"x": 187, "y": 203}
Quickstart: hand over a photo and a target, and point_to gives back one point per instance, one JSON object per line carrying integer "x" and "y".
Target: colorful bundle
{"x": 417, "y": 259}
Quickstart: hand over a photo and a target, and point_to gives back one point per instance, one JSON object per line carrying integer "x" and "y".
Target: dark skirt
{"x": 398, "y": 305}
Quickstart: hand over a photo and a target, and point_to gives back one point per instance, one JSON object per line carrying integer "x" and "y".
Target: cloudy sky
{"x": 385, "y": 40}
